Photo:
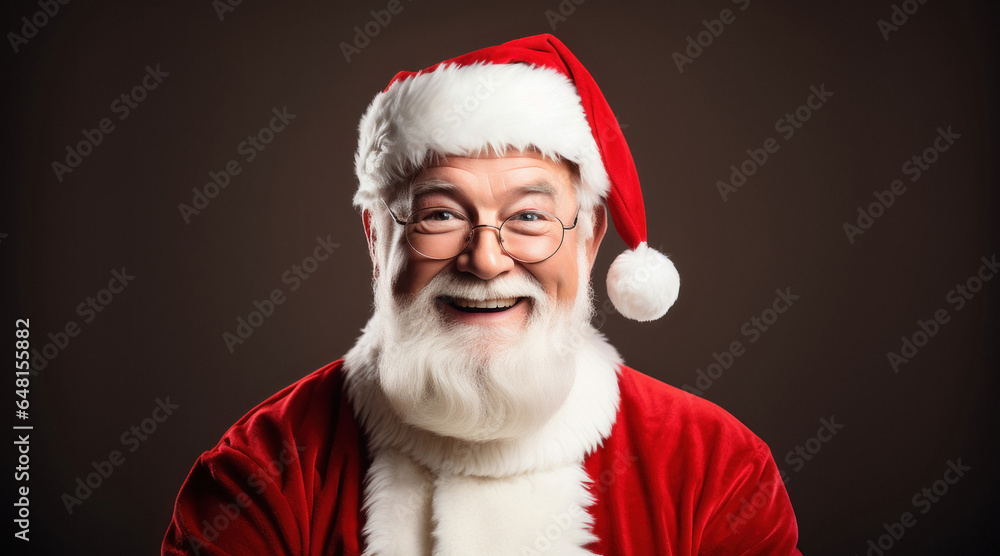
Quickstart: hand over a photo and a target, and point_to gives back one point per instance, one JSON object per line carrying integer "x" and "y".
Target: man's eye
{"x": 438, "y": 215}
{"x": 437, "y": 221}
{"x": 528, "y": 217}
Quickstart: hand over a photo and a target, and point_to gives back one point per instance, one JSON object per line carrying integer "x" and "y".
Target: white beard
{"x": 473, "y": 382}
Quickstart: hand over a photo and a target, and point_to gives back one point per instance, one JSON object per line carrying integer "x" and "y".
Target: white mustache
{"x": 463, "y": 287}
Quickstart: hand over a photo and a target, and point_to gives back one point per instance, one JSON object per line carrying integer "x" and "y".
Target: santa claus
{"x": 480, "y": 412}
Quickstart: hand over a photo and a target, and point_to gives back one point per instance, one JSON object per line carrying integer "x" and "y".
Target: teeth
{"x": 485, "y": 304}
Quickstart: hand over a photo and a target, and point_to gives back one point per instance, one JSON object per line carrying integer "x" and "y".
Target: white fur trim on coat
{"x": 398, "y": 506}
{"x": 539, "y": 512}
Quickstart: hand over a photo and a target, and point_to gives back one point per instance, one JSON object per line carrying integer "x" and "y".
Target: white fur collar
{"x": 411, "y": 512}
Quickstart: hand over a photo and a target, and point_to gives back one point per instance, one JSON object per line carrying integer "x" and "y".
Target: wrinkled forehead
{"x": 513, "y": 173}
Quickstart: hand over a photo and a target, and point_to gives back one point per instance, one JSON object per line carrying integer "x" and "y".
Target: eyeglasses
{"x": 440, "y": 233}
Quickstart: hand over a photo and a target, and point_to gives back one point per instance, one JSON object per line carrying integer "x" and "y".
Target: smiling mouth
{"x": 481, "y": 306}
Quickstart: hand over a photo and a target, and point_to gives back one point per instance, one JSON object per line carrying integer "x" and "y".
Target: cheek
{"x": 558, "y": 275}
{"x": 416, "y": 274}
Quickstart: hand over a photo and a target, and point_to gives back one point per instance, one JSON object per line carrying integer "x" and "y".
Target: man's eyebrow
{"x": 432, "y": 185}
{"x": 540, "y": 187}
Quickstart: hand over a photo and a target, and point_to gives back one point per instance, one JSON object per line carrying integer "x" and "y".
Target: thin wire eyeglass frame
{"x": 472, "y": 231}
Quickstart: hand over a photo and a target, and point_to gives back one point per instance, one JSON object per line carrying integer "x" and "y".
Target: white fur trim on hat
{"x": 475, "y": 109}
{"x": 643, "y": 283}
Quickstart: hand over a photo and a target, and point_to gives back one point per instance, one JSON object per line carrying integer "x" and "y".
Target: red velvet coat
{"x": 678, "y": 475}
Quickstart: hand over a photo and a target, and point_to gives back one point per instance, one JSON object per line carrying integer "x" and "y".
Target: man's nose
{"x": 484, "y": 257}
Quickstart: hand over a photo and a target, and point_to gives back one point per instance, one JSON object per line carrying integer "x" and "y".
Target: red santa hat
{"x": 529, "y": 93}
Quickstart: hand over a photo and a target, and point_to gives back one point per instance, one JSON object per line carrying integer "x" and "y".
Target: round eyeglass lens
{"x": 438, "y": 233}
{"x": 531, "y": 236}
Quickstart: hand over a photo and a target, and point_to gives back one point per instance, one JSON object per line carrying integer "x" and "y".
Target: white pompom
{"x": 643, "y": 283}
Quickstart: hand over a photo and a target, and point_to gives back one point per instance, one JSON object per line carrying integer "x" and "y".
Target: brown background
{"x": 825, "y": 357}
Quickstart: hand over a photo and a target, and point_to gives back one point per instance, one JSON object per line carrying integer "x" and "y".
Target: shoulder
{"x": 295, "y": 456}
{"x": 308, "y": 403}
{"x": 301, "y": 423}
{"x": 678, "y": 470}
{"x": 670, "y": 412}
{"x": 678, "y": 424}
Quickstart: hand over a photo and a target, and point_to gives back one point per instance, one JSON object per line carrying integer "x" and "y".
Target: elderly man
{"x": 480, "y": 412}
